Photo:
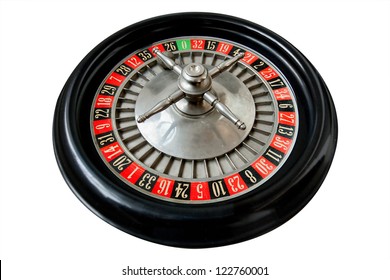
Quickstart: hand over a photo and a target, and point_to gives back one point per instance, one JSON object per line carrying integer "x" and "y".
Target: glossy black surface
{"x": 208, "y": 225}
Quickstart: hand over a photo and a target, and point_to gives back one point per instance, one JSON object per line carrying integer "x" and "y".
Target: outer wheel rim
{"x": 67, "y": 135}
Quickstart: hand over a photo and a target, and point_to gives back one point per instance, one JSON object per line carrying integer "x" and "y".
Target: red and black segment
{"x": 180, "y": 190}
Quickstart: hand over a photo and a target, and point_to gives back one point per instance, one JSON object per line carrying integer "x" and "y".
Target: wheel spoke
{"x": 162, "y": 105}
{"x": 223, "y": 110}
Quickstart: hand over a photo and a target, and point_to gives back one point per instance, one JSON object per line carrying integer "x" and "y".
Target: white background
{"x": 46, "y": 233}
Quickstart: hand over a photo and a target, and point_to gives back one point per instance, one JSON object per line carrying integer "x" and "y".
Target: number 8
{"x": 250, "y": 176}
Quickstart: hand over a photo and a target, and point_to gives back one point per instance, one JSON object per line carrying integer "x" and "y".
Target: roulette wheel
{"x": 195, "y": 130}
